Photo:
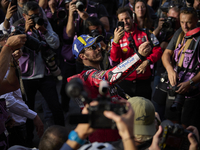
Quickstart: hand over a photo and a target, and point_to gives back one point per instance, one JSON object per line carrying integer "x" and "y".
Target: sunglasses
{"x": 95, "y": 46}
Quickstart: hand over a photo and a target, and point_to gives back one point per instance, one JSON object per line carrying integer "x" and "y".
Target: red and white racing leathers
{"x": 92, "y": 77}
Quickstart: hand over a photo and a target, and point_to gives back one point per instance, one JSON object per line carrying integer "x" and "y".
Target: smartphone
{"x": 120, "y": 24}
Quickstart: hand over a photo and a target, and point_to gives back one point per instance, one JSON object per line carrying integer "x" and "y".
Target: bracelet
{"x": 7, "y": 19}
{"x": 13, "y": 65}
{"x": 132, "y": 137}
{"x": 9, "y": 47}
{"x": 115, "y": 42}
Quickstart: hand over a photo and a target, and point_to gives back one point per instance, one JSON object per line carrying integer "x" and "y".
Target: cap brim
{"x": 96, "y": 39}
{"x": 145, "y": 129}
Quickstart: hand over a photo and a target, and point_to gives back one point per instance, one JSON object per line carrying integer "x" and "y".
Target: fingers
{"x": 193, "y": 142}
{"x": 111, "y": 115}
{"x": 159, "y": 132}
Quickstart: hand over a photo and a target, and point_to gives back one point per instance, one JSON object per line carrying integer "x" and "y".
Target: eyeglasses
{"x": 95, "y": 46}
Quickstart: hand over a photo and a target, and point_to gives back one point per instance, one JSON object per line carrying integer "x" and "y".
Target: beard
{"x": 96, "y": 60}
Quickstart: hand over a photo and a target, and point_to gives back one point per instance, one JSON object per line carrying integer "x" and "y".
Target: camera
{"x": 79, "y": 5}
{"x": 94, "y": 33}
{"x": 95, "y": 117}
{"x": 47, "y": 54}
{"x": 170, "y": 22}
{"x": 174, "y": 137}
{"x": 37, "y": 20}
{"x": 61, "y": 13}
{"x": 32, "y": 43}
{"x": 179, "y": 99}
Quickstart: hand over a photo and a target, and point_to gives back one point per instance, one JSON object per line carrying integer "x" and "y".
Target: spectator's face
{"x": 140, "y": 9}
{"x": 176, "y": 15}
{"x": 188, "y": 22}
{"x": 31, "y": 13}
{"x": 93, "y": 53}
{"x": 128, "y": 21}
{"x": 196, "y": 4}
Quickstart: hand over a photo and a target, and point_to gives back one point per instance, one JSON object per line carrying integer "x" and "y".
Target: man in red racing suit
{"x": 88, "y": 51}
{"x": 124, "y": 45}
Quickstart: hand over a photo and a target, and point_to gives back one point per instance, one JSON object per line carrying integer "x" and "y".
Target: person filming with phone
{"x": 126, "y": 41}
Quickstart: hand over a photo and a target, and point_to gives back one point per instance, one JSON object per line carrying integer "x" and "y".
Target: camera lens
{"x": 178, "y": 103}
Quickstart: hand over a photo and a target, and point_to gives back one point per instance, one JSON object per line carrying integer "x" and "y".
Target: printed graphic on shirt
{"x": 154, "y": 40}
{"x": 125, "y": 50}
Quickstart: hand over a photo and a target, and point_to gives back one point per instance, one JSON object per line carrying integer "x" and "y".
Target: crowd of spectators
{"x": 132, "y": 67}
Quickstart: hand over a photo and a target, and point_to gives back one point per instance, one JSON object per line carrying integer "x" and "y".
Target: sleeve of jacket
{"x": 52, "y": 39}
{"x": 115, "y": 52}
{"x": 155, "y": 55}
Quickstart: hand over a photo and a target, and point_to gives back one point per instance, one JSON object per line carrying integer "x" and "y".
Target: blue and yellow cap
{"x": 82, "y": 42}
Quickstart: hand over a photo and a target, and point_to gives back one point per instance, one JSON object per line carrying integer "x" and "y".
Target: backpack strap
{"x": 180, "y": 37}
{"x": 184, "y": 48}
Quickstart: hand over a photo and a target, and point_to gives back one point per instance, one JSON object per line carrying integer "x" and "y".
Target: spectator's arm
{"x": 70, "y": 28}
{"x": 10, "y": 11}
{"x": 83, "y": 130}
{"x": 116, "y": 52}
{"x": 125, "y": 125}
{"x": 166, "y": 60}
{"x": 158, "y": 29}
{"x": 11, "y": 83}
{"x": 43, "y": 4}
{"x": 105, "y": 22}
{"x": 156, "y": 140}
{"x": 103, "y": 16}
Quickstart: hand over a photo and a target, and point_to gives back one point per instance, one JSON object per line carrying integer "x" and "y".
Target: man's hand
{"x": 10, "y": 11}
{"x": 145, "y": 48}
{"x": 124, "y": 122}
{"x": 84, "y": 129}
{"x": 194, "y": 130}
{"x": 39, "y": 126}
{"x": 193, "y": 142}
{"x": 17, "y": 54}
{"x": 4, "y": 4}
{"x": 160, "y": 23}
{"x": 172, "y": 76}
{"x": 118, "y": 34}
{"x": 156, "y": 140}
{"x": 72, "y": 8}
{"x": 142, "y": 67}
{"x": 29, "y": 24}
{"x": 16, "y": 41}
{"x": 40, "y": 28}
{"x": 183, "y": 87}
{"x": 52, "y": 5}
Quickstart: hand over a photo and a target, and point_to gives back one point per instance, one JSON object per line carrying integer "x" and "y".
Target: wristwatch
{"x": 73, "y": 136}
{"x": 191, "y": 82}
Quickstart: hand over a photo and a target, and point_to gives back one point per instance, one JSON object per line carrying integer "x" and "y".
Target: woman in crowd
{"x": 142, "y": 17}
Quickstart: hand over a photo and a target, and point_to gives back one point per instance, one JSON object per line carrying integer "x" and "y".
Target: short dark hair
{"x": 53, "y": 138}
{"x": 30, "y": 5}
{"x": 79, "y": 59}
{"x": 189, "y": 10}
{"x": 123, "y": 10}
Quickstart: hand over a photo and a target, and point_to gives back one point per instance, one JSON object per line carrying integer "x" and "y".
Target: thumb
{"x": 191, "y": 139}
{"x": 111, "y": 115}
